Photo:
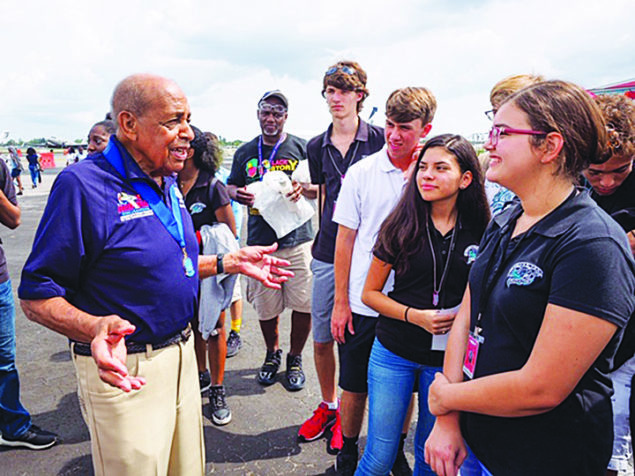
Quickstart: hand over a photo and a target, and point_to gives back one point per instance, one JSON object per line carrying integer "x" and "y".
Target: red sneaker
{"x": 336, "y": 443}
{"x": 315, "y": 426}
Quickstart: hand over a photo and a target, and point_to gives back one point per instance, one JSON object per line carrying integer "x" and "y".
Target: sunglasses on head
{"x": 343, "y": 68}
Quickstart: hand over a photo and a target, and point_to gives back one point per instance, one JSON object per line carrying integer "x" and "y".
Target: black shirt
{"x": 245, "y": 170}
{"x": 204, "y": 198}
{"x": 621, "y": 206}
{"x": 577, "y": 258}
{"x": 327, "y": 166}
{"x": 414, "y": 288}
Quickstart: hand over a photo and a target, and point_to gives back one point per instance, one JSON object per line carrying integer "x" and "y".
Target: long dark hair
{"x": 403, "y": 235}
{"x": 208, "y": 154}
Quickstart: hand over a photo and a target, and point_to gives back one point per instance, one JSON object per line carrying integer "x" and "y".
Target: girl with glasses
{"x": 525, "y": 378}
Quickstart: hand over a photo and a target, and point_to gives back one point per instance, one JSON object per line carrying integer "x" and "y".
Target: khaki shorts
{"x": 295, "y": 293}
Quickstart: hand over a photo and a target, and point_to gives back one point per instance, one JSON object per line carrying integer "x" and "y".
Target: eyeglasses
{"x": 497, "y": 131}
{"x": 490, "y": 114}
{"x": 277, "y": 110}
{"x": 343, "y": 68}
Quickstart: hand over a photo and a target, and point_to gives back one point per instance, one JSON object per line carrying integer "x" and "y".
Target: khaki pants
{"x": 157, "y": 430}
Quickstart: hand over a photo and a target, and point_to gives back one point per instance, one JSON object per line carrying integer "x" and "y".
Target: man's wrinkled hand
{"x": 257, "y": 262}
{"x": 108, "y": 349}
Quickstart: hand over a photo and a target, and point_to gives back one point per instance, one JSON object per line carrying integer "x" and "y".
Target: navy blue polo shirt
{"x": 327, "y": 166}
{"x": 578, "y": 258}
{"x": 100, "y": 246}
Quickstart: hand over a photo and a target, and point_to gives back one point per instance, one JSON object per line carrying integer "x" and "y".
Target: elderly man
{"x": 114, "y": 267}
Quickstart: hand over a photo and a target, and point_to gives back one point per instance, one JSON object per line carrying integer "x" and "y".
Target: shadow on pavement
{"x": 82, "y": 465}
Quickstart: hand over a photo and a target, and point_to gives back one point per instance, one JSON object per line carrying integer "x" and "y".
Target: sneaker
{"x": 315, "y": 426}
{"x": 336, "y": 443}
{"x": 267, "y": 374}
{"x": 221, "y": 414}
{"x": 401, "y": 466}
{"x": 34, "y": 438}
{"x": 234, "y": 343}
{"x": 345, "y": 464}
{"x": 294, "y": 373}
{"x": 204, "y": 381}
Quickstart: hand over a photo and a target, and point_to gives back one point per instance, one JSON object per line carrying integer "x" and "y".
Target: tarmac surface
{"x": 260, "y": 440}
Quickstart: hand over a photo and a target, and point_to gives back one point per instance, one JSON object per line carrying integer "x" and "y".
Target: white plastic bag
{"x": 279, "y": 212}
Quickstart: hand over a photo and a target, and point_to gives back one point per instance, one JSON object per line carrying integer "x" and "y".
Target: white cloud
{"x": 62, "y": 59}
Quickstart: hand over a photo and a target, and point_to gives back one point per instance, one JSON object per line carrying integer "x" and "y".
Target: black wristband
{"x": 220, "y": 269}
{"x": 405, "y": 315}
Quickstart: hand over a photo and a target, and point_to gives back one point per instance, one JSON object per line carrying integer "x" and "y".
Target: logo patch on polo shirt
{"x": 197, "y": 207}
{"x": 470, "y": 253}
{"x": 132, "y": 206}
{"x": 523, "y": 274}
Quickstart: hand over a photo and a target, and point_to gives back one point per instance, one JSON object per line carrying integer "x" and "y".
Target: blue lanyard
{"x": 261, "y": 169}
{"x": 171, "y": 219}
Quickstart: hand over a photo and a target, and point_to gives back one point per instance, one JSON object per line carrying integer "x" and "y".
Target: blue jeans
{"x": 391, "y": 381}
{"x": 14, "y": 419}
{"x": 472, "y": 466}
{"x": 35, "y": 172}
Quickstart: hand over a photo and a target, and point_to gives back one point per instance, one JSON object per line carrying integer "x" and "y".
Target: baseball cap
{"x": 276, "y": 93}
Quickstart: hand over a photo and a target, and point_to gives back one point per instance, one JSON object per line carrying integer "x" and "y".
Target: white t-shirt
{"x": 371, "y": 189}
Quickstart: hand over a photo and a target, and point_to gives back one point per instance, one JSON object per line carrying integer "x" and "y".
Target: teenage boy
{"x": 274, "y": 149}
{"x": 369, "y": 192}
{"x": 347, "y": 140}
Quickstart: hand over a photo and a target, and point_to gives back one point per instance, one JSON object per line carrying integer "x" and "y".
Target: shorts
{"x": 15, "y": 173}
{"x": 295, "y": 293}
{"x": 622, "y": 439}
{"x": 354, "y": 354}
{"x": 322, "y": 300}
{"x": 237, "y": 294}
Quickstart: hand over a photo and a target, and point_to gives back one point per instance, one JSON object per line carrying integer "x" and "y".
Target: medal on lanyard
{"x": 170, "y": 219}
{"x": 188, "y": 266}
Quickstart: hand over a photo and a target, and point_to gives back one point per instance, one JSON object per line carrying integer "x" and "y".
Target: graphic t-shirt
{"x": 247, "y": 168}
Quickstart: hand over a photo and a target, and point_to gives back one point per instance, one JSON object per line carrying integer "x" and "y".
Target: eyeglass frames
{"x": 497, "y": 131}
{"x": 277, "y": 110}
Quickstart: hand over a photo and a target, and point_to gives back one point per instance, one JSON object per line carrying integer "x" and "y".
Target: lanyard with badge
{"x": 261, "y": 168}
{"x": 171, "y": 219}
{"x": 501, "y": 254}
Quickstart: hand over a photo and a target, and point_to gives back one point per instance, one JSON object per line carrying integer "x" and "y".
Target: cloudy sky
{"x": 62, "y": 59}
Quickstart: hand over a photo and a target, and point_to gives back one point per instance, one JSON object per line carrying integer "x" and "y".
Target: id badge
{"x": 471, "y": 354}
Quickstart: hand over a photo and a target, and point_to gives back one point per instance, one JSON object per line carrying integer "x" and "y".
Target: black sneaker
{"x": 204, "y": 381}
{"x": 401, "y": 466}
{"x": 294, "y": 374}
{"x": 34, "y": 438}
{"x": 267, "y": 374}
{"x": 345, "y": 464}
{"x": 221, "y": 414}
{"x": 234, "y": 343}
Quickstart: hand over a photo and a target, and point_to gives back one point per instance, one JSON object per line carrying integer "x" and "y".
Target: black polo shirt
{"x": 576, "y": 257}
{"x": 327, "y": 166}
{"x": 413, "y": 288}
{"x": 204, "y": 198}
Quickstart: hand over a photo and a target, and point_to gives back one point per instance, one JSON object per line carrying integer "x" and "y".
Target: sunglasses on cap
{"x": 343, "y": 68}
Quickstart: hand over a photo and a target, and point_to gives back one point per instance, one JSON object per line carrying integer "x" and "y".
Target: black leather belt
{"x": 81, "y": 348}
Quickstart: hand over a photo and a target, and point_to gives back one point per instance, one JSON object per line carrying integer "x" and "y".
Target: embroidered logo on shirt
{"x": 132, "y": 206}
{"x": 470, "y": 253}
{"x": 523, "y": 274}
{"x": 197, "y": 207}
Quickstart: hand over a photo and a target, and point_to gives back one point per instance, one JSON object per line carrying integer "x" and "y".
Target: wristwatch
{"x": 220, "y": 269}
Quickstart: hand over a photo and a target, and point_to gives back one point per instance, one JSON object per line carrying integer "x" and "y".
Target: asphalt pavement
{"x": 260, "y": 440}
